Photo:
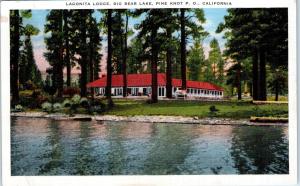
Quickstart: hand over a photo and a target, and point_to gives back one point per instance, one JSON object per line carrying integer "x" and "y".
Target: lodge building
{"x": 140, "y": 85}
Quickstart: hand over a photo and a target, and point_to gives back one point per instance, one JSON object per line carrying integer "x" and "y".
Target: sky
{"x": 214, "y": 16}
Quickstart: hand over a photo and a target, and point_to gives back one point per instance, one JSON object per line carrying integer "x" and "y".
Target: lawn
{"x": 231, "y": 109}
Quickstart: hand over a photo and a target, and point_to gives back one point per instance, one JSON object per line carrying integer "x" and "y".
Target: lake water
{"x": 48, "y": 147}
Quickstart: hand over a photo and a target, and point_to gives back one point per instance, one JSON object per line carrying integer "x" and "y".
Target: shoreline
{"x": 146, "y": 119}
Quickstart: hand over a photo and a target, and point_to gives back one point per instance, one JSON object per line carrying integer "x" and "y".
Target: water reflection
{"x": 46, "y": 147}
{"x": 170, "y": 146}
{"x": 53, "y": 154}
{"x": 16, "y": 152}
{"x": 260, "y": 150}
{"x": 116, "y": 152}
{"x": 84, "y": 161}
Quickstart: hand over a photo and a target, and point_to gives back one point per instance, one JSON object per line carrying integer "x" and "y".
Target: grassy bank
{"x": 200, "y": 109}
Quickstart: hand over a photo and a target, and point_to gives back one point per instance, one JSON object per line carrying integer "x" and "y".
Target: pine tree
{"x": 189, "y": 27}
{"x": 149, "y": 30}
{"x": 94, "y": 43}
{"x": 195, "y": 61}
{"x": 54, "y": 45}
{"x": 16, "y": 28}
{"x": 109, "y": 57}
{"x": 28, "y": 69}
{"x": 170, "y": 26}
{"x": 66, "y": 36}
{"x": 215, "y": 61}
{"x": 253, "y": 33}
{"x": 135, "y": 57}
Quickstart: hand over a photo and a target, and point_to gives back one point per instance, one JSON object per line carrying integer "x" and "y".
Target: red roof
{"x": 144, "y": 80}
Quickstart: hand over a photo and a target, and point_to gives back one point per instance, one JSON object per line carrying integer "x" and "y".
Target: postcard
{"x": 144, "y": 92}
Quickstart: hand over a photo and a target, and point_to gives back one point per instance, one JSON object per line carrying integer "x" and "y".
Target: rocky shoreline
{"x": 143, "y": 119}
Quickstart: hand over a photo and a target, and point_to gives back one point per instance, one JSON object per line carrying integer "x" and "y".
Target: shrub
{"x": 97, "y": 107}
{"x": 29, "y": 85}
{"x": 76, "y": 99}
{"x": 26, "y": 101}
{"x": 84, "y": 102}
{"x": 213, "y": 109}
{"x": 57, "y": 106}
{"x": 66, "y": 103}
{"x": 19, "y": 108}
{"x": 75, "y": 102}
{"x": 26, "y": 93}
{"x": 47, "y": 107}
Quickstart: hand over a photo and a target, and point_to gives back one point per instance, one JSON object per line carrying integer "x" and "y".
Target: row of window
{"x": 134, "y": 91}
{"x": 200, "y": 91}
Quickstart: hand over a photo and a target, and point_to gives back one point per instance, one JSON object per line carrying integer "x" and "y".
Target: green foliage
{"x": 57, "y": 107}
{"x": 26, "y": 93}
{"x": 135, "y": 57}
{"x": 76, "y": 99}
{"x": 278, "y": 81}
{"x": 215, "y": 63}
{"x": 84, "y": 102}
{"x": 26, "y": 14}
{"x": 258, "y": 34}
{"x": 66, "y": 103}
{"x": 18, "y": 108}
{"x": 47, "y": 107}
{"x": 213, "y": 109}
{"x": 54, "y": 44}
{"x": 28, "y": 69}
{"x": 194, "y": 18}
{"x": 195, "y": 61}
{"x": 97, "y": 107}
{"x": 30, "y": 30}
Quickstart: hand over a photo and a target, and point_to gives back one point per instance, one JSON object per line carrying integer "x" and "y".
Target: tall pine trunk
{"x": 124, "y": 69}
{"x": 262, "y": 75}
{"x": 169, "y": 66}
{"x": 91, "y": 58}
{"x": 154, "y": 65}
{"x": 239, "y": 84}
{"x": 60, "y": 76}
{"x": 67, "y": 47}
{"x": 109, "y": 56}
{"x": 83, "y": 60}
{"x": 183, "y": 48}
{"x": 250, "y": 89}
{"x": 15, "y": 54}
{"x": 255, "y": 88}
{"x": 276, "y": 91}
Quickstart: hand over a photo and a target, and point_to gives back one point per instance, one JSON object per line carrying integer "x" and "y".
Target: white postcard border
{"x": 291, "y": 178}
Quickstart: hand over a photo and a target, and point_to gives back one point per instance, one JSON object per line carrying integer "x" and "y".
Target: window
{"x": 161, "y": 91}
{"x": 144, "y": 91}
